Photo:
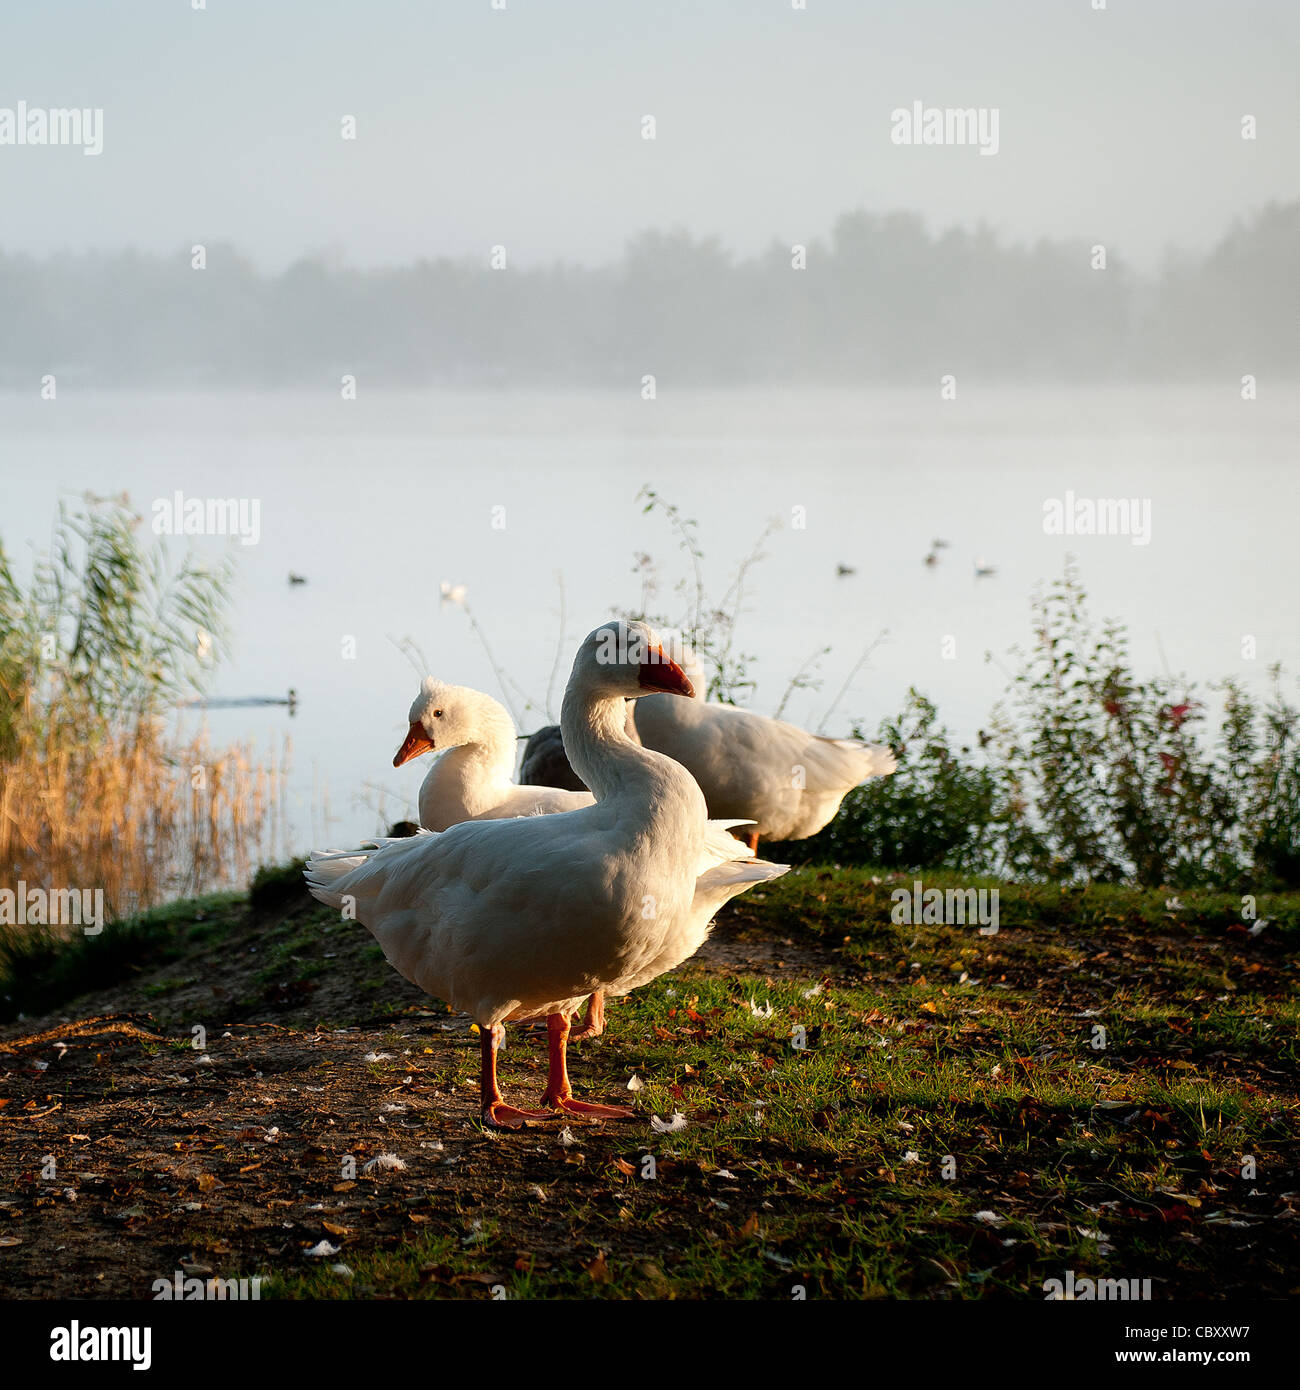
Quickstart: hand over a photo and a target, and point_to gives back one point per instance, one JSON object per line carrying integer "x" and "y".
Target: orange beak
{"x": 415, "y": 743}
{"x": 659, "y": 672}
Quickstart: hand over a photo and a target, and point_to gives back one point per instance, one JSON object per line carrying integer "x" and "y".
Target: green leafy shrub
{"x": 937, "y": 808}
{"x": 1087, "y": 773}
{"x": 1113, "y": 778}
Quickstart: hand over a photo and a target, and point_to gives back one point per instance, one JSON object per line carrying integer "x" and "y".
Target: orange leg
{"x": 593, "y": 1025}
{"x": 559, "y": 1094}
{"x": 496, "y": 1113}
{"x": 752, "y": 839}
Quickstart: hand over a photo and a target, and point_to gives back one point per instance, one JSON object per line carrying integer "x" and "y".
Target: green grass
{"x": 946, "y": 1076}
{"x": 41, "y": 969}
{"x": 861, "y": 903}
{"x": 856, "y": 1166}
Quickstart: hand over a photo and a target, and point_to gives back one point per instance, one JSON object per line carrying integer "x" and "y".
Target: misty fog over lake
{"x": 561, "y": 253}
{"x": 377, "y": 501}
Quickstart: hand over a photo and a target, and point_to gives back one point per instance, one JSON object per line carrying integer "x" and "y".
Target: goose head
{"x": 622, "y": 659}
{"x": 451, "y": 716}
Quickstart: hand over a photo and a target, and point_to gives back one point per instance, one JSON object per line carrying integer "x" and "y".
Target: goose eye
{"x": 437, "y": 714}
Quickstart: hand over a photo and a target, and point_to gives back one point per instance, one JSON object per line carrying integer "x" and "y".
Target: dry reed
{"x": 142, "y": 813}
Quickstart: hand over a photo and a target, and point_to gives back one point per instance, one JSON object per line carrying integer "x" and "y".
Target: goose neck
{"x": 596, "y": 741}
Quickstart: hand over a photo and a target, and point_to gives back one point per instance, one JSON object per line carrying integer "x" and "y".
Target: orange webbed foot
{"x": 593, "y": 1024}
{"x": 499, "y": 1115}
{"x": 584, "y": 1109}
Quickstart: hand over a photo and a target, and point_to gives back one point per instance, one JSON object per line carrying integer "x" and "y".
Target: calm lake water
{"x": 377, "y": 501}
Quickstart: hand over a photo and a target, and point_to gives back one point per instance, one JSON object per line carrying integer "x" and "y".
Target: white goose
{"x": 786, "y": 782}
{"x": 523, "y": 918}
{"x": 471, "y": 778}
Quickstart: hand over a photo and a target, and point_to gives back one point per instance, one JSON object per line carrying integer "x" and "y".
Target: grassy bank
{"x": 1108, "y": 1085}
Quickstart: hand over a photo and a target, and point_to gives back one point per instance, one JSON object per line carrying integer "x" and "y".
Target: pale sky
{"x": 522, "y": 127}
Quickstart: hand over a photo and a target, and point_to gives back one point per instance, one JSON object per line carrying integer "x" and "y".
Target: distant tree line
{"x": 881, "y": 299}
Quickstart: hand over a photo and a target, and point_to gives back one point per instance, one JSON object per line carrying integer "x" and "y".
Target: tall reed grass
{"x": 99, "y": 789}
{"x": 140, "y": 813}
